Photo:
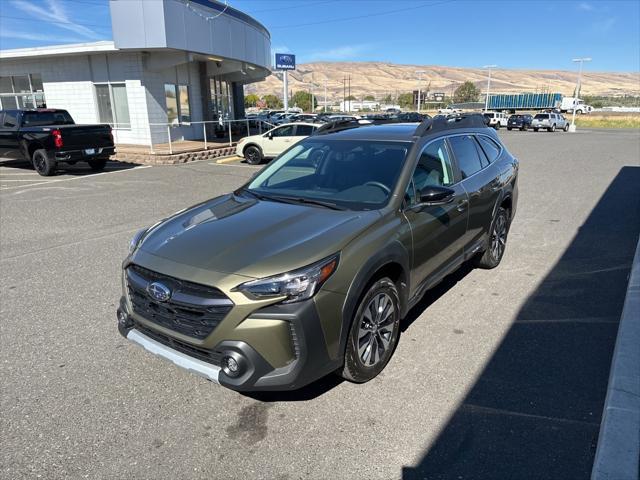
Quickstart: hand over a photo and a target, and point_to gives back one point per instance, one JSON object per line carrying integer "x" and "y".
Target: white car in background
{"x": 256, "y": 148}
{"x": 496, "y": 119}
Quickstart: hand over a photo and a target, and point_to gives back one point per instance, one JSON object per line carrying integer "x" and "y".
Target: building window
{"x": 177, "y": 102}
{"x": 22, "y": 91}
{"x": 113, "y": 106}
{"x": 221, "y": 105}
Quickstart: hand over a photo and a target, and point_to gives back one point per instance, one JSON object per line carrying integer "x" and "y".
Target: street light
{"x": 486, "y": 101}
{"x": 572, "y": 127}
{"x": 419, "y": 72}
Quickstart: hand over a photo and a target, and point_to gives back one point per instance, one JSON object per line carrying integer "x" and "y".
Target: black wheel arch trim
{"x": 394, "y": 253}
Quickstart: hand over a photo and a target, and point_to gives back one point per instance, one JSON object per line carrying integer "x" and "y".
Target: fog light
{"x": 232, "y": 364}
{"x": 123, "y": 319}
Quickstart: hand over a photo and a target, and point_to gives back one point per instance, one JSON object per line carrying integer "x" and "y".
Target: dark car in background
{"x": 310, "y": 266}
{"x": 522, "y": 122}
{"x": 47, "y": 137}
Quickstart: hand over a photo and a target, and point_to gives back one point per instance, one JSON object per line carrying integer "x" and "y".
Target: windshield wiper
{"x": 310, "y": 201}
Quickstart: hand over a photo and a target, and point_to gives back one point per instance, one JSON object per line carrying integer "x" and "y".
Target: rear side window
{"x": 304, "y": 130}
{"x": 491, "y": 148}
{"x": 466, "y": 153}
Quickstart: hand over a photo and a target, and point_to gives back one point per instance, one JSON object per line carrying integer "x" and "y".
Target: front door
{"x": 437, "y": 231}
{"x": 278, "y": 140}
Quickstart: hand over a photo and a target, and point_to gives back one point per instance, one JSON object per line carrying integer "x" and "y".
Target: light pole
{"x": 419, "y": 72}
{"x": 325, "y": 96}
{"x": 486, "y": 101}
{"x": 572, "y": 127}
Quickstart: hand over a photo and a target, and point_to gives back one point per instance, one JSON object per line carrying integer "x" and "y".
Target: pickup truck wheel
{"x": 499, "y": 230}
{"x": 253, "y": 155}
{"x": 98, "y": 165}
{"x": 43, "y": 164}
{"x": 374, "y": 332}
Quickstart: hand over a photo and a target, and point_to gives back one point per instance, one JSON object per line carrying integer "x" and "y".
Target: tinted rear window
{"x": 464, "y": 148}
{"x": 35, "y": 119}
{"x": 542, "y": 116}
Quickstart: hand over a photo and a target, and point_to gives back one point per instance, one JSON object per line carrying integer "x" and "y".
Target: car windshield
{"x": 37, "y": 119}
{"x": 349, "y": 174}
{"x": 542, "y": 116}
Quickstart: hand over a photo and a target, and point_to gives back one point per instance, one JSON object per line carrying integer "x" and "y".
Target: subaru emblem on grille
{"x": 158, "y": 291}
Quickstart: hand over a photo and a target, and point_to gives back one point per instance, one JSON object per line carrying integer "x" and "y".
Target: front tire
{"x": 492, "y": 256}
{"x": 43, "y": 164}
{"x": 374, "y": 332}
{"x": 253, "y": 155}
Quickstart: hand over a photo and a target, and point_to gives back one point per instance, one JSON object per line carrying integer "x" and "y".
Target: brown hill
{"x": 380, "y": 79}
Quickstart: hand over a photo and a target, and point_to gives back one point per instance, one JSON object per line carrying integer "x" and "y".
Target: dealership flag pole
{"x": 486, "y": 100}
{"x": 572, "y": 127}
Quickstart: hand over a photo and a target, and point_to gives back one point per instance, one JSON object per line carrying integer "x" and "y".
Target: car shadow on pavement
{"x": 535, "y": 410}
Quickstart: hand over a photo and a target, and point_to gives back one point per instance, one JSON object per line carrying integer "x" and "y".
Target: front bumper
{"x": 309, "y": 361}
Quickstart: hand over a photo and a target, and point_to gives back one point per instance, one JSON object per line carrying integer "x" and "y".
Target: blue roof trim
{"x": 232, "y": 12}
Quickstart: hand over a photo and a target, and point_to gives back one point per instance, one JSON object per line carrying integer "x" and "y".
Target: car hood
{"x": 254, "y": 238}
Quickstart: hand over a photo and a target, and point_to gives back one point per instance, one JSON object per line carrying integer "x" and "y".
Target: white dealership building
{"x": 170, "y": 63}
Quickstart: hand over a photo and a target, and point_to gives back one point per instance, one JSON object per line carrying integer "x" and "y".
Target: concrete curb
{"x": 618, "y": 452}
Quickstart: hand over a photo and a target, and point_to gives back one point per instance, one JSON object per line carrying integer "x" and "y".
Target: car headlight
{"x": 294, "y": 286}
{"x": 133, "y": 244}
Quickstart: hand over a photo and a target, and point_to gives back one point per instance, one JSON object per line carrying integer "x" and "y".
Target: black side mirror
{"x": 435, "y": 195}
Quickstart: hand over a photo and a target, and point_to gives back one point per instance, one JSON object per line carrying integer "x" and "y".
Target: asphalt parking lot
{"x": 498, "y": 374}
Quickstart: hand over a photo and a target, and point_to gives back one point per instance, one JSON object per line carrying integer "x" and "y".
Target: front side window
{"x": 466, "y": 153}
{"x": 286, "y": 131}
{"x": 351, "y": 174}
{"x": 433, "y": 168}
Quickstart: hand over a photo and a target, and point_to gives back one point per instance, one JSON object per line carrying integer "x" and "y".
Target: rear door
{"x": 479, "y": 179}
{"x": 437, "y": 231}
{"x": 9, "y": 144}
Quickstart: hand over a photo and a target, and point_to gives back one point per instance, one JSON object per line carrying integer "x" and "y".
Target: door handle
{"x": 462, "y": 205}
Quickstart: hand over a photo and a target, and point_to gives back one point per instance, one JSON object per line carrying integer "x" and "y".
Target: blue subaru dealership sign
{"x": 285, "y": 61}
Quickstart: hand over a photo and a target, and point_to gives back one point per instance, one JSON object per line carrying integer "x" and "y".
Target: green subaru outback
{"x": 310, "y": 267}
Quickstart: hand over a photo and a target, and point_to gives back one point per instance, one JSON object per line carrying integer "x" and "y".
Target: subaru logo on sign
{"x": 158, "y": 291}
{"x": 285, "y": 61}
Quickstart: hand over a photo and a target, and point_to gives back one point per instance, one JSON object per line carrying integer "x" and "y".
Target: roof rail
{"x": 454, "y": 120}
{"x": 337, "y": 126}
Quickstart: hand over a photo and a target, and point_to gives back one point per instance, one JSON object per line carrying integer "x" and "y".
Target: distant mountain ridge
{"x": 380, "y": 79}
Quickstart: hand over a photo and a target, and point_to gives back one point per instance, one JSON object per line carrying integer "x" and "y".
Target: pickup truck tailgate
{"x": 86, "y": 136}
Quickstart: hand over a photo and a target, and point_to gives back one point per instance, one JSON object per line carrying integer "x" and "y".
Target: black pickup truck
{"x": 46, "y": 137}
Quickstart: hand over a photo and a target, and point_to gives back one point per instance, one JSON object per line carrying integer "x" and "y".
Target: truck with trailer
{"x": 537, "y": 101}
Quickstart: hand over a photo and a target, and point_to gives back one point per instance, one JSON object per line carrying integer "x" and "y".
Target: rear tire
{"x": 492, "y": 256}
{"x": 566, "y": 127}
{"x": 98, "y": 165}
{"x": 374, "y": 332}
{"x": 497, "y": 127}
{"x": 253, "y": 155}
{"x": 43, "y": 164}
{"x": 509, "y": 128}
{"x": 523, "y": 128}
{"x": 552, "y": 129}
{"x": 535, "y": 129}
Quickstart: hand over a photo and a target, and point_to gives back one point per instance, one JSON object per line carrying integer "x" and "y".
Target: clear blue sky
{"x": 436, "y": 32}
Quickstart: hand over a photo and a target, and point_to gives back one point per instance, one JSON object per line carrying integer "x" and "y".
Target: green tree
{"x": 388, "y": 99}
{"x": 405, "y": 100}
{"x": 272, "y": 101}
{"x": 302, "y": 100}
{"x": 351, "y": 97}
{"x": 370, "y": 98}
{"x": 467, "y": 92}
{"x": 251, "y": 100}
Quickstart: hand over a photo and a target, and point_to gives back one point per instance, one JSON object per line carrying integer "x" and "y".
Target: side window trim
{"x": 498, "y": 144}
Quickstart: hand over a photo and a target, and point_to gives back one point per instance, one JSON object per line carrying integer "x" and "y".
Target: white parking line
{"x": 47, "y": 182}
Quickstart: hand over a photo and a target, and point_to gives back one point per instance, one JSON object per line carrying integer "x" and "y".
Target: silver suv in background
{"x": 550, "y": 121}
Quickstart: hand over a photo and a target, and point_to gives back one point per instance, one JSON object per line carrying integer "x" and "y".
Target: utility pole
{"x": 349, "y": 96}
{"x": 486, "y": 101}
{"x": 419, "y": 72}
{"x": 325, "y": 96}
{"x": 572, "y": 127}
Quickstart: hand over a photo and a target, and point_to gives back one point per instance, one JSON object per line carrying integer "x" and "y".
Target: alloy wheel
{"x": 499, "y": 237}
{"x": 376, "y": 325}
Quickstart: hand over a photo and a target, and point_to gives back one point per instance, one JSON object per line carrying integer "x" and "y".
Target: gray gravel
{"x": 498, "y": 373}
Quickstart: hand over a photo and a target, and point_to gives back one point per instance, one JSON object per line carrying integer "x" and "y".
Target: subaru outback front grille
{"x": 192, "y": 309}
